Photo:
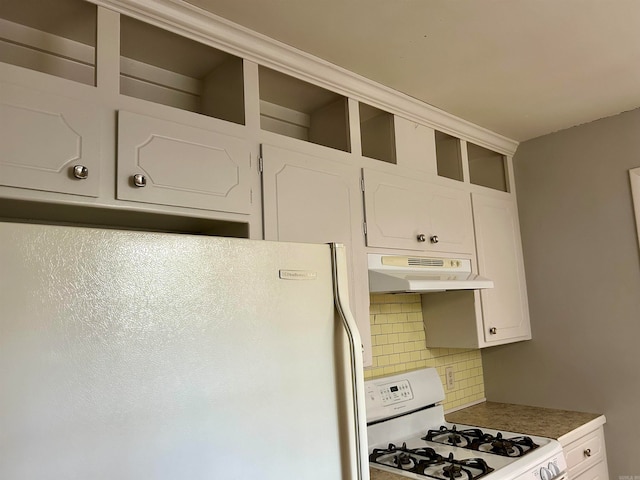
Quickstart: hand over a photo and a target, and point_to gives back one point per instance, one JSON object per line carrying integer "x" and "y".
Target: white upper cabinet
{"x": 135, "y": 112}
{"x": 504, "y": 308}
{"x": 168, "y": 163}
{"x": 492, "y": 316}
{"x": 48, "y": 142}
{"x": 404, "y": 213}
{"x": 315, "y": 200}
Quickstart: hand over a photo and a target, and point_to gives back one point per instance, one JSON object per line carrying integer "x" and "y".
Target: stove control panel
{"x": 391, "y": 393}
{"x": 387, "y": 397}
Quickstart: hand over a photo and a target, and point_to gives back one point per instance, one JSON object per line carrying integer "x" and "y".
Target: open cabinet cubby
{"x": 448, "y": 156}
{"x": 54, "y": 37}
{"x": 297, "y": 109}
{"x": 487, "y": 168}
{"x": 163, "y": 67}
{"x": 377, "y": 134}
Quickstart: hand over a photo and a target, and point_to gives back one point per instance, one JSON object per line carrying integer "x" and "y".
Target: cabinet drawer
{"x": 597, "y": 472}
{"x": 584, "y": 453}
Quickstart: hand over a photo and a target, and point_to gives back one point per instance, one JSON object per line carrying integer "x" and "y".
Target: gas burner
{"x": 470, "y": 468}
{"x": 414, "y": 460}
{"x": 507, "y": 447}
{"x": 451, "y": 436}
{"x": 404, "y": 460}
{"x": 378, "y": 452}
{"x": 452, "y": 471}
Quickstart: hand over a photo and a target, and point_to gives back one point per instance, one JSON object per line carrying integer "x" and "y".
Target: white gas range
{"x": 408, "y": 436}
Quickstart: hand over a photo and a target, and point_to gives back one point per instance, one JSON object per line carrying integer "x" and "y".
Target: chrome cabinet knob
{"x": 139, "y": 180}
{"x": 80, "y": 172}
{"x": 434, "y": 239}
{"x": 422, "y": 237}
{"x": 493, "y": 330}
{"x": 587, "y": 452}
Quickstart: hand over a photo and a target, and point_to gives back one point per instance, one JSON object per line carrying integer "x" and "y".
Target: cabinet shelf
{"x": 377, "y": 133}
{"x": 57, "y": 38}
{"x": 487, "y": 168}
{"x": 101, "y": 217}
{"x": 162, "y": 67}
{"x": 448, "y": 156}
{"x": 298, "y": 109}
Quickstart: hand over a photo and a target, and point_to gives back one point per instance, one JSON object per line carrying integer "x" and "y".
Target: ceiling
{"x": 521, "y": 68}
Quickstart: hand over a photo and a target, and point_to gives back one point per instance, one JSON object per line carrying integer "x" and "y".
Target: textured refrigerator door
{"x": 128, "y": 355}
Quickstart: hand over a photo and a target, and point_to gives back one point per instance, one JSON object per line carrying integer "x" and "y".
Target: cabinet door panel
{"x": 450, "y": 220}
{"x": 577, "y": 460}
{"x": 182, "y": 165}
{"x": 43, "y": 136}
{"x": 499, "y": 249}
{"x": 400, "y": 209}
{"x": 396, "y": 212}
{"x": 314, "y": 200}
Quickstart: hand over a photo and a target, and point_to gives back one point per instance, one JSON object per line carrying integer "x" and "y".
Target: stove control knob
{"x": 545, "y": 474}
{"x": 554, "y": 469}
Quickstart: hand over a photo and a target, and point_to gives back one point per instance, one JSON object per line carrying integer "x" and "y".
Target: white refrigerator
{"x": 133, "y": 355}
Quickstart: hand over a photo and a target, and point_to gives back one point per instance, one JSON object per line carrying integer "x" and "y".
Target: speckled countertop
{"x": 542, "y": 422}
{"x": 380, "y": 475}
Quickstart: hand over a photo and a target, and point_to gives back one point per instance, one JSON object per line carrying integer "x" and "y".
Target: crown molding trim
{"x": 204, "y": 27}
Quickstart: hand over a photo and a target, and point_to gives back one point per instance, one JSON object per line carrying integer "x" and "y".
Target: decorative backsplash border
{"x": 398, "y": 342}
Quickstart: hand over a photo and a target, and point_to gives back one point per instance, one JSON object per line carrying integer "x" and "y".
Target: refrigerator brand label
{"x": 297, "y": 275}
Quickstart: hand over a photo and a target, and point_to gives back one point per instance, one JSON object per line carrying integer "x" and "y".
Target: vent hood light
{"x": 406, "y": 274}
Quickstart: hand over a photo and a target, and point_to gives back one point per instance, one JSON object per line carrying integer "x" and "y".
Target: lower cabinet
{"x": 168, "y": 163}
{"x": 314, "y": 200}
{"x": 48, "y": 142}
{"x": 586, "y": 455}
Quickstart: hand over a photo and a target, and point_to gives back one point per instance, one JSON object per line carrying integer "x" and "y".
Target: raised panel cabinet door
{"x": 396, "y": 211}
{"x": 499, "y": 251}
{"x": 48, "y": 142}
{"x": 451, "y": 221}
{"x": 415, "y": 215}
{"x": 168, "y": 163}
{"x": 584, "y": 453}
{"x": 314, "y": 200}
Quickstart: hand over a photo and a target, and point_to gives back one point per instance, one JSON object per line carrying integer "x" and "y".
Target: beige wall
{"x": 583, "y": 274}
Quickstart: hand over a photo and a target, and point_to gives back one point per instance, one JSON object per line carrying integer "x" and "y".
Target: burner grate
{"x": 476, "y": 439}
{"x": 425, "y": 461}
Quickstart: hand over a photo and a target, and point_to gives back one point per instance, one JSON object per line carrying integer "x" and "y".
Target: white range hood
{"x": 401, "y": 273}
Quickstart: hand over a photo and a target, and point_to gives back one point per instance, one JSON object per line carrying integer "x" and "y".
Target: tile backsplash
{"x": 398, "y": 341}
